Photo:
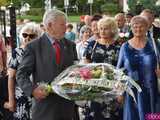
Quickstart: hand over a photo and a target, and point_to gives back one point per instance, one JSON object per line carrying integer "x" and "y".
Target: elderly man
{"x": 123, "y": 29}
{"x": 121, "y": 22}
{"x": 153, "y": 30}
{"x": 44, "y": 58}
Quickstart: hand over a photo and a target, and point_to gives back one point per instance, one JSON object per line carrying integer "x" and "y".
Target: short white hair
{"x": 84, "y": 29}
{"x": 32, "y": 27}
{"x": 51, "y": 15}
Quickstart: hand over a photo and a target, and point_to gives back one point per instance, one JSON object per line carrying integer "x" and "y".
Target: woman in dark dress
{"x": 138, "y": 58}
{"x": 18, "y": 103}
{"x": 103, "y": 50}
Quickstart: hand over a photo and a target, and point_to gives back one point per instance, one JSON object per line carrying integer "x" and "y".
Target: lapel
{"x": 49, "y": 56}
{"x": 156, "y": 32}
{"x": 48, "y": 52}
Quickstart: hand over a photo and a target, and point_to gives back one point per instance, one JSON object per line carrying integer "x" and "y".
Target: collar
{"x": 52, "y": 41}
{"x": 151, "y": 29}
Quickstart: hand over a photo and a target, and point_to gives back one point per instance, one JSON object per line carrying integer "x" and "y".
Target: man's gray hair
{"x": 51, "y": 15}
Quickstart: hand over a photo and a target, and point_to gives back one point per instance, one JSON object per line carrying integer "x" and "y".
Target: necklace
{"x": 106, "y": 42}
{"x": 137, "y": 44}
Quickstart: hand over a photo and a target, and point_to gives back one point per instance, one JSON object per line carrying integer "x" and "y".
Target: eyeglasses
{"x": 25, "y": 35}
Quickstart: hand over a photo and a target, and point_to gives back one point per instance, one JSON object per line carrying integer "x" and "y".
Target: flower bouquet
{"x": 92, "y": 82}
{"x": 123, "y": 37}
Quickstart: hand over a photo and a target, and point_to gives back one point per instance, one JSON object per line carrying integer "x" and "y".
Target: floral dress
{"x": 23, "y": 103}
{"x": 98, "y": 53}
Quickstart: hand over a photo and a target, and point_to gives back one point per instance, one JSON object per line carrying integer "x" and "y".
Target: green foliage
{"x": 132, "y": 6}
{"x": 16, "y": 3}
{"x": 36, "y": 12}
{"x": 137, "y": 6}
{"x": 32, "y": 3}
{"x": 73, "y": 19}
{"x": 39, "y": 18}
{"x": 150, "y": 4}
{"x": 30, "y": 17}
{"x": 83, "y": 6}
{"x": 35, "y": 3}
{"x": 110, "y": 8}
{"x": 3, "y": 2}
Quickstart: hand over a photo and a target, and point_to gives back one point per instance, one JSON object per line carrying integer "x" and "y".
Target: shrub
{"x": 110, "y": 8}
{"x": 36, "y": 12}
{"x": 32, "y": 18}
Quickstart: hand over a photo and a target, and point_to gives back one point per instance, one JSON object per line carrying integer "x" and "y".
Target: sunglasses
{"x": 25, "y": 35}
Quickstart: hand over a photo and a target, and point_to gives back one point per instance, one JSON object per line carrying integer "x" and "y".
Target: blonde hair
{"x": 139, "y": 19}
{"x": 109, "y": 22}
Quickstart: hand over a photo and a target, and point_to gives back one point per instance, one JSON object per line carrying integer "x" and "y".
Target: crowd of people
{"x": 127, "y": 41}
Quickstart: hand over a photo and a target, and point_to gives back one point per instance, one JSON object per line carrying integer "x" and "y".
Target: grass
{"x": 32, "y": 18}
{"x": 74, "y": 18}
{"x": 39, "y": 18}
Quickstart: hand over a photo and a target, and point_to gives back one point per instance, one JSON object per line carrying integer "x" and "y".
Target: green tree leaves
{"x": 137, "y": 5}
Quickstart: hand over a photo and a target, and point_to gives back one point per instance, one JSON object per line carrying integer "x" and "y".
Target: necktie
{"x": 121, "y": 30}
{"x": 58, "y": 51}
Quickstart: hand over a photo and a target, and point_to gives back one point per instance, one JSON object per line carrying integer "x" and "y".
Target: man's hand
{"x": 40, "y": 92}
{"x": 158, "y": 72}
{"x": 120, "y": 99}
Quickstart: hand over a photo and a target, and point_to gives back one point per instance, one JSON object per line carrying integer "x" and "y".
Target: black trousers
{"x": 4, "y": 114}
{"x": 3, "y": 89}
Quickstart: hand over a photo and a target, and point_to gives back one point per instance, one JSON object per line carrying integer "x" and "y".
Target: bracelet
{"x": 11, "y": 78}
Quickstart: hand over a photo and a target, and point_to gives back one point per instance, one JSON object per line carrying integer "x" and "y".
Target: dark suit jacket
{"x": 39, "y": 60}
{"x": 156, "y": 32}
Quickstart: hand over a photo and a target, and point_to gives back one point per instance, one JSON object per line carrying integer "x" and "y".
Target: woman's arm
{"x": 121, "y": 57}
{"x": 158, "y": 72}
{"x": 11, "y": 90}
{"x": 120, "y": 63}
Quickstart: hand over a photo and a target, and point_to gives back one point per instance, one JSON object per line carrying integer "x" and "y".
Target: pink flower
{"x": 121, "y": 35}
{"x": 85, "y": 73}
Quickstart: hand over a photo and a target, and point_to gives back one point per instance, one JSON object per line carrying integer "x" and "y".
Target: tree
{"x": 3, "y": 2}
{"x": 35, "y": 3}
{"x": 137, "y": 6}
{"x": 110, "y": 8}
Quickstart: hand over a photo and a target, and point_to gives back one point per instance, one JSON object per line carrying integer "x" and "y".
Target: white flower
{"x": 126, "y": 34}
